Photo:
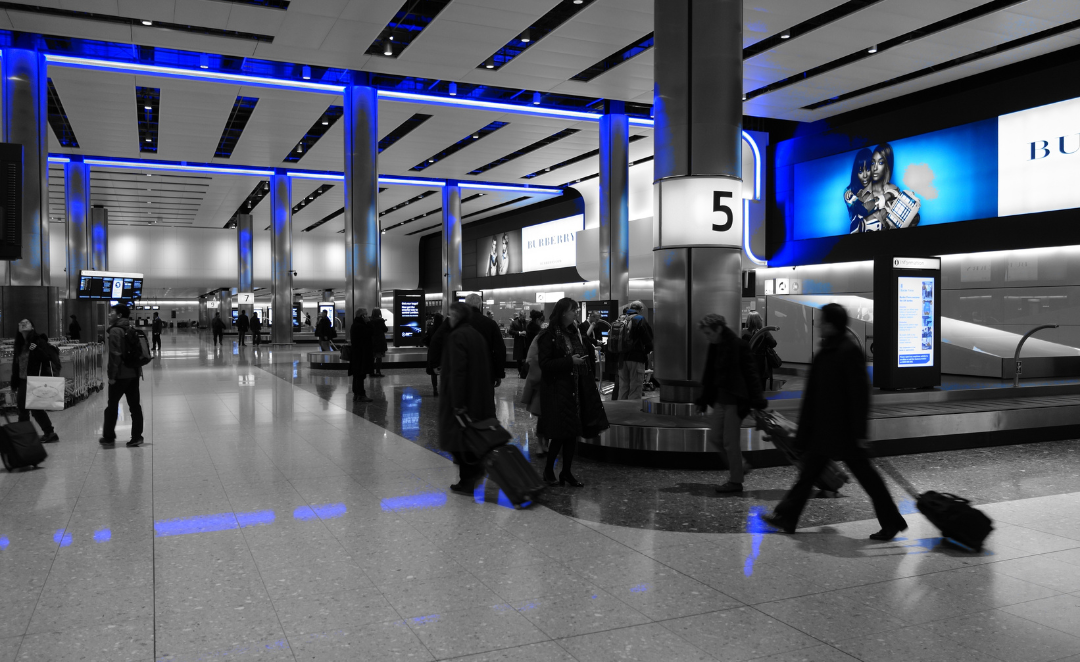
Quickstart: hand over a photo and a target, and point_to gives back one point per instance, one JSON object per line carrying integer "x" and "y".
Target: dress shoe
{"x": 729, "y": 488}
{"x": 568, "y": 479}
{"x": 778, "y": 522}
{"x": 885, "y": 535}
{"x": 135, "y": 441}
{"x": 107, "y": 443}
{"x": 461, "y": 488}
{"x": 50, "y": 438}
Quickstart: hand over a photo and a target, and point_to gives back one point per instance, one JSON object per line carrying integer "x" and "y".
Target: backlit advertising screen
{"x": 408, "y": 317}
{"x": 915, "y": 321}
{"x": 551, "y": 245}
{"x": 1021, "y": 163}
{"x": 109, "y": 285}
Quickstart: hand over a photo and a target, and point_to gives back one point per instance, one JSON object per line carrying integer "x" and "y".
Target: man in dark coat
{"x": 491, "y": 333}
{"x": 466, "y": 390}
{"x": 324, "y": 332}
{"x": 74, "y": 329}
{"x": 218, "y": 328}
{"x": 242, "y": 325}
{"x": 732, "y": 387}
{"x": 517, "y": 332}
{"x": 832, "y": 424}
{"x": 362, "y": 360}
{"x": 256, "y": 329}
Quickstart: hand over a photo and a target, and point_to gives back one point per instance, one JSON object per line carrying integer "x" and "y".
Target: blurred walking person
{"x": 361, "y": 361}
{"x": 378, "y": 341}
{"x": 33, "y": 356}
{"x": 832, "y": 425}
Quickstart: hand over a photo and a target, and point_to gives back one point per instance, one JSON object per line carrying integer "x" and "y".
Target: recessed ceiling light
{"x": 526, "y": 36}
{"x": 148, "y": 140}
{"x": 306, "y": 72}
{"x": 325, "y": 122}
{"x": 300, "y": 148}
{"x": 476, "y": 136}
{"x": 431, "y": 160}
{"x": 490, "y": 62}
{"x": 148, "y": 107}
{"x": 145, "y": 22}
{"x": 536, "y": 98}
{"x": 872, "y": 49}
{"x": 786, "y": 34}
{"x": 149, "y": 203}
{"x": 453, "y": 89}
{"x": 204, "y": 61}
{"x": 389, "y": 49}
{"x": 578, "y": 2}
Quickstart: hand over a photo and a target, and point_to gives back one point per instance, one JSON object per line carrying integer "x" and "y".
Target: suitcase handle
{"x": 955, "y": 498}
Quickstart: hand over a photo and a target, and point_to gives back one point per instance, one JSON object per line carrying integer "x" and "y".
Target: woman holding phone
{"x": 569, "y": 398}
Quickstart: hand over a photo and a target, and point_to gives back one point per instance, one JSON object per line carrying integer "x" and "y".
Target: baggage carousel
{"x": 965, "y": 414}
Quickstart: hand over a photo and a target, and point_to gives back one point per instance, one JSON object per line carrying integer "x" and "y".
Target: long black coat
{"x": 378, "y": 335}
{"x": 435, "y": 341}
{"x": 764, "y": 342}
{"x": 323, "y": 330}
{"x": 517, "y": 332}
{"x": 491, "y": 333}
{"x": 360, "y": 340}
{"x": 464, "y": 383}
{"x": 730, "y": 370}
{"x": 836, "y": 400}
{"x": 569, "y": 400}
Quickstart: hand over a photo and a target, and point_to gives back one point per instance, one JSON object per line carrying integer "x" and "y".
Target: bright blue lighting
{"x": 198, "y": 524}
{"x": 640, "y": 588}
{"x": 103, "y": 535}
{"x": 316, "y": 175}
{"x": 411, "y": 182}
{"x": 257, "y": 518}
{"x": 61, "y": 538}
{"x": 304, "y": 514}
{"x": 410, "y": 414}
{"x": 59, "y": 159}
{"x": 194, "y": 74}
{"x": 4, "y": 542}
{"x": 180, "y": 167}
{"x": 330, "y": 510}
{"x": 757, "y": 528}
{"x": 415, "y": 501}
{"x": 509, "y": 187}
{"x": 411, "y": 97}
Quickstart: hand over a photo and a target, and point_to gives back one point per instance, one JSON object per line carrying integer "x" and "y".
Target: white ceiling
{"x": 336, "y": 33}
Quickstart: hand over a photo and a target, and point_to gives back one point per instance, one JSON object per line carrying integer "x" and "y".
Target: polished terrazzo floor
{"x": 269, "y": 518}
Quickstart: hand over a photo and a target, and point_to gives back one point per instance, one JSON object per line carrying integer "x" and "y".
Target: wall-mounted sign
{"x": 245, "y": 298}
{"x": 914, "y": 321}
{"x": 499, "y": 254}
{"x": 408, "y": 317}
{"x": 549, "y": 297}
{"x": 213, "y": 304}
{"x": 551, "y": 245}
{"x": 697, "y": 211}
{"x": 782, "y": 285}
{"x": 916, "y": 263}
{"x": 769, "y": 284}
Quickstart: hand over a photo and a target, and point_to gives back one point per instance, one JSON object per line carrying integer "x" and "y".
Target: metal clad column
{"x": 99, "y": 239}
{"x": 697, "y": 220}
{"x": 451, "y": 243}
{"x": 615, "y": 203}
{"x": 361, "y": 199}
{"x": 77, "y": 204}
{"x": 25, "y": 121}
{"x": 244, "y": 241}
{"x": 281, "y": 258}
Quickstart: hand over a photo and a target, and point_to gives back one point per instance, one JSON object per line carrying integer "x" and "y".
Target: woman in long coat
{"x": 433, "y": 341}
{"x": 378, "y": 341}
{"x": 360, "y": 363}
{"x": 569, "y": 398}
{"x": 466, "y": 388}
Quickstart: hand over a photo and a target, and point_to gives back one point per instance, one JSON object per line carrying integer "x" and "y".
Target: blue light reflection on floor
{"x": 415, "y": 501}
{"x": 103, "y": 535}
{"x": 410, "y": 414}
{"x": 61, "y": 538}
{"x": 226, "y": 521}
{"x": 257, "y": 518}
{"x": 907, "y": 507}
{"x": 4, "y": 542}
{"x": 757, "y": 528}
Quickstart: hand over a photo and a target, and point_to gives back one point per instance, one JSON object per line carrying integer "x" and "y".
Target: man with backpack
{"x": 218, "y": 329}
{"x": 128, "y": 353}
{"x": 155, "y": 330}
{"x": 633, "y": 338}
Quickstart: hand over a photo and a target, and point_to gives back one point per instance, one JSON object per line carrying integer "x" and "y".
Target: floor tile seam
{"x": 678, "y": 636}
{"x": 1030, "y": 620}
{"x": 922, "y": 627}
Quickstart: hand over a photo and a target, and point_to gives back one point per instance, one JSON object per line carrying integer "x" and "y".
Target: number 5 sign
{"x": 697, "y": 211}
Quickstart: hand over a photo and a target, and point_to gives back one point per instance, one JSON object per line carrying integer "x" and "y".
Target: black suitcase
{"x": 781, "y": 432}
{"x": 952, "y": 515}
{"x": 513, "y": 474}
{"x": 20, "y": 445}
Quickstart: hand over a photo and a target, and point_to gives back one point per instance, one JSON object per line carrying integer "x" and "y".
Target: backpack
{"x": 136, "y": 352}
{"x": 619, "y": 337}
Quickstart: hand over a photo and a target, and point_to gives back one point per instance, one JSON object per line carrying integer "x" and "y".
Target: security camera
{"x": 294, "y": 274}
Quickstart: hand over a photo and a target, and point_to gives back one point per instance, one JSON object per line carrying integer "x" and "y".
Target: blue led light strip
{"x": 246, "y": 171}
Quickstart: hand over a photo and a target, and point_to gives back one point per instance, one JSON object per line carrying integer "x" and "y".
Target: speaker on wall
{"x": 11, "y": 185}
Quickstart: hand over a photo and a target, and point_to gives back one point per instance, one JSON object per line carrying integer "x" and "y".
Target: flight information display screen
{"x": 110, "y": 285}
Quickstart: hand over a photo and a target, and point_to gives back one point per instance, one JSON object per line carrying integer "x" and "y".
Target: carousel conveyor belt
{"x": 949, "y": 421}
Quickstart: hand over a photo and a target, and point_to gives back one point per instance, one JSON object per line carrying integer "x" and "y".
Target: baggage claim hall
{"x": 540, "y": 330}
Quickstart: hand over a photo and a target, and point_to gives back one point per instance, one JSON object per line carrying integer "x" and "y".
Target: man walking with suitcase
{"x": 832, "y": 424}
{"x": 123, "y": 379}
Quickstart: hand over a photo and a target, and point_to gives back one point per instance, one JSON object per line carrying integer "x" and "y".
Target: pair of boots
{"x": 568, "y": 447}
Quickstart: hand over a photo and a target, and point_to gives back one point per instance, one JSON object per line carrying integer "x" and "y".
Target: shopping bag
{"x": 45, "y": 393}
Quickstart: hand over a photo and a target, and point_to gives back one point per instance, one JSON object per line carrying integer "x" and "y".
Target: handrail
{"x": 857, "y": 341}
{"x": 1019, "y": 345}
{"x": 761, "y": 331}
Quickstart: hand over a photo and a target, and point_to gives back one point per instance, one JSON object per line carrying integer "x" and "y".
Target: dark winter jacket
{"x": 730, "y": 375}
{"x": 256, "y": 324}
{"x": 532, "y": 329}
{"x": 217, "y": 325}
{"x": 74, "y": 330}
{"x": 463, "y": 384}
{"x": 378, "y": 335}
{"x": 360, "y": 340}
{"x": 117, "y": 336}
{"x": 569, "y": 399}
{"x": 836, "y": 400}
{"x": 157, "y": 326}
{"x": 435, "y": 340}
{"x": 242, "y": 324}
{"x": 518, "y": 332}
{"x": 39, "y": 361}
{"x": 641, "y": 337}
{"x": 491, "y": 333}
{"x": 764, "y": 342}
{"x": 323, "y": 330}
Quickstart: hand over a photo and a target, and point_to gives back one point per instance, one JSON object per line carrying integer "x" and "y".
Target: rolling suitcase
{"x": 781, "y": 432}
{"x": 513, "y": 474}
{"x": 952, "y": 515}
{"x": 20, "y": 445}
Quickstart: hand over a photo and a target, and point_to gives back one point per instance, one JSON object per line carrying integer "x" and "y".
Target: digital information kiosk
{"x": 907, "y": 322}
{"x": 409, "y": 318}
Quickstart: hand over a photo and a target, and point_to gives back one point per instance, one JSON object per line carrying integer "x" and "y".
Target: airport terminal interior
{"x": 340, "y": 230}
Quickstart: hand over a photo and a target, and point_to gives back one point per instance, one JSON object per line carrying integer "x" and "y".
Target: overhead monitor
{"x": 110, "y": 285}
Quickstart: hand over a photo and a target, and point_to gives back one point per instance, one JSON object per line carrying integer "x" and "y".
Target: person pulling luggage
{"x": 33, "y": 356}
{"x": 832, "y": 424}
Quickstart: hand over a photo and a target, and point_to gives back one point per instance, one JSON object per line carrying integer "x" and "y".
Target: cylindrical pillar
{"x": 361, "y": 199}
{"x": 77, "y": 205}
{"x": 451, "y": 243}
{"x": 25, "y": 121}
{"x": 98, "y": 250}
{"x": 225, "y": 307}
{"x": 281, "y": 276}
{"x": 697, "y": 219}
{"x": 244, "y": 259}
{"x": 615, "y": 203}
